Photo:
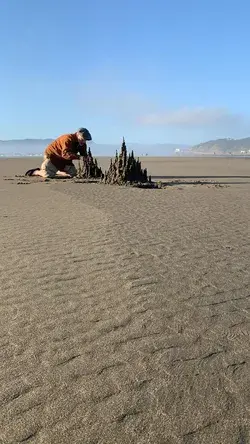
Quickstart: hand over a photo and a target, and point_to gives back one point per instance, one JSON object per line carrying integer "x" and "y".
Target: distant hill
{"x": 223, "y": 146}
{"x": 23, "y": 146}
{"x": 27, "y": 147}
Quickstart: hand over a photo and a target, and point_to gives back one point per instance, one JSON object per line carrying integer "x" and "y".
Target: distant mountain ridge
{"x": 23, "y": 146}
{"x": 36, "y": 147}
{"x": 223, "y": 146}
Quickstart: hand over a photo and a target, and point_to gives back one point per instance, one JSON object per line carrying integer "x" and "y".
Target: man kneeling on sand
{"x": 59, "y": 155}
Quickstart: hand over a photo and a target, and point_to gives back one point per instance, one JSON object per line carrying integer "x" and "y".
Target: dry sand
{"x": 124, "y": 313}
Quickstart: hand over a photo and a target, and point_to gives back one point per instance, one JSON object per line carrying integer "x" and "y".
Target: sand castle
{"x": 124, "y": 169}
{"x": 88, "y": 168}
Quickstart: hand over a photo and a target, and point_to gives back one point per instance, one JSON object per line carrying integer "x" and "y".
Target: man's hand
{"x": 82, "y": 149}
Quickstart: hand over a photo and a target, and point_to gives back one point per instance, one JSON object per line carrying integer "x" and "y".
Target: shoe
{"x": 30, "y": 172}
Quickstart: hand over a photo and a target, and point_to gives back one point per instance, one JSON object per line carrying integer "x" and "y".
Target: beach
{"x": 124, "y": 312}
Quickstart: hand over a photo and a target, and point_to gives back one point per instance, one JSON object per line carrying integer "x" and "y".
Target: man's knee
{"x": 47, "y": 175}
{"x": 71, "y": 170}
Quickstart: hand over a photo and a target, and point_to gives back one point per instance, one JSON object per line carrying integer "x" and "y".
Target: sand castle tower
{"x": 125, "y": 169}
{"x": 88, "y": 168}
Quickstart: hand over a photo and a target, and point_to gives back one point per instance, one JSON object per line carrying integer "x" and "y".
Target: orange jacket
{"x": 66, "y": 147}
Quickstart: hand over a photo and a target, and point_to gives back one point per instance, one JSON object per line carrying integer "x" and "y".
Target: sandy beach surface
{"x": 124, "y": 313}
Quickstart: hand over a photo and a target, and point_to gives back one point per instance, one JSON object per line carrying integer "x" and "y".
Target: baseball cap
{"x": 86, "y": 134}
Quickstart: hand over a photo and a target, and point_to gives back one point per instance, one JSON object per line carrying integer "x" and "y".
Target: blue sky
{"x": 153, "y": 71}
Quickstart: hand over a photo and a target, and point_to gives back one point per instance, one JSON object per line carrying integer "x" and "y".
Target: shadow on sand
{"x": 202, "y": 180}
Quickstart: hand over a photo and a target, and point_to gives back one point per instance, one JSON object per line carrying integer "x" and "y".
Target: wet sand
{"x": 124, "y": 313}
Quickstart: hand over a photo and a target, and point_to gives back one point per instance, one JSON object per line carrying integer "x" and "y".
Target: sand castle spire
{"x": 125, "y": 168}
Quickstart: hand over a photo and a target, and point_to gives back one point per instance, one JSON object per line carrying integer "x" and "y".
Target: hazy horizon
{"x": 37, "y": 146}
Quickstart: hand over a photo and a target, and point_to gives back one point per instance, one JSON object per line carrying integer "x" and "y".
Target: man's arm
{"x": 83, "y": 150}
{"x": 67, "y": 150}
